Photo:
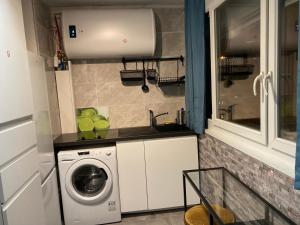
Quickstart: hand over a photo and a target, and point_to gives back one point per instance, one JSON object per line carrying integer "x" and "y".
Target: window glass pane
{"x": 287, "y": 77}
{"x": 238, "y": 60}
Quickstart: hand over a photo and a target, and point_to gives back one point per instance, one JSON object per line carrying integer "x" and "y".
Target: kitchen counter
{"x": 111, "y": 136}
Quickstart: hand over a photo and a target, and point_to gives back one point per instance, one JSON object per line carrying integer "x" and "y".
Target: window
{"x": 238, "y": 61}
{"x": 254, "y": 48}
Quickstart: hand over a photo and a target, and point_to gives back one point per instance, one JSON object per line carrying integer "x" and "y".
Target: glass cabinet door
{"x": 240, "y": 64}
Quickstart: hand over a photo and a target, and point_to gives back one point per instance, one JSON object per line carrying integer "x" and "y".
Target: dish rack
{"x": 172, "y": 80}
{"x": 152, "y": 74}
{"x": 165, "y": 81}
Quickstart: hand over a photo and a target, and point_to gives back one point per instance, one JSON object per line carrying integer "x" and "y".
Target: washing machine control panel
{"x": 86, "y": 153}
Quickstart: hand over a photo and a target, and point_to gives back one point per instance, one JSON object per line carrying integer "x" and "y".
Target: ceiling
{"x": 69, "y": 3}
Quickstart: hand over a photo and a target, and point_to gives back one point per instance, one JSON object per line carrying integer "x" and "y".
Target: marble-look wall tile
{"x": 95, "y": 86}
{"x": 164, "y": 94}
{"x": 133, "y": 115}
{"x": 170, "y": 19}
{"x": 116, "y": 94}
{"x": 41, "y": 13}
{"x": 84, "y": 95}
{"x": 170, "y": 31}
{"x": 172, "y": 69}
{"x": 83, "y": 74}
{"x": 107, "y": 72}
{"x": 172, "y": 44}
{"x": 128, "y": 104}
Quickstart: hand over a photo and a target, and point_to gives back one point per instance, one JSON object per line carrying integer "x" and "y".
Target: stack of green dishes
{"x": 90, "y": 120}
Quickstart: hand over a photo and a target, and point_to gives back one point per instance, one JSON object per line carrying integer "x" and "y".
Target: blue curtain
{"x": 195, "y": 64}
{"x": 297, "y": 178}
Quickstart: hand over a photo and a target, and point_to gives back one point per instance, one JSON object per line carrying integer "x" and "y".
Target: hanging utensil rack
{"x": 161, "y": 80}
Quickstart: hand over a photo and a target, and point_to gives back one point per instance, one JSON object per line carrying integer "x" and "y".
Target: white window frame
{"x": 264, "y": 145}
{"x": 277, "y": 143}
{"x": 257, "y": 136}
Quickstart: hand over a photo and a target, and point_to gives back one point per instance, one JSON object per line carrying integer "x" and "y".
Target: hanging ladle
{"x": 145, "y": 88}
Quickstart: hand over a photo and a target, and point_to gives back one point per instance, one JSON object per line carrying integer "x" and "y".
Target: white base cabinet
{"x": 132, "y": 176}
{"x": 150, "y": 172}
{"x": 165, "y": 161}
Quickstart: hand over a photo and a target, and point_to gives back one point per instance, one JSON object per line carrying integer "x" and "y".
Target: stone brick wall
{"x": 274, "y": 186}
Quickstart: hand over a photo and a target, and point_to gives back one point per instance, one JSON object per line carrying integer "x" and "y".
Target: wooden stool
{"x": 198, "y": 215}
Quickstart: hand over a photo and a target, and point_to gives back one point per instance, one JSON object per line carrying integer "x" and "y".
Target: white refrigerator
{"x": 27, "y": 175}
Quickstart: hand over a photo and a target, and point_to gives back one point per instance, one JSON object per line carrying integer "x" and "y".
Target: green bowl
{"x": 101, "y": 125}
{"x": 88, "y": 112}
{"x": 86, "y": 124}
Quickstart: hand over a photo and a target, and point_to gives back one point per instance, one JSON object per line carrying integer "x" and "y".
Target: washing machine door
{"x": 89, "y": 181}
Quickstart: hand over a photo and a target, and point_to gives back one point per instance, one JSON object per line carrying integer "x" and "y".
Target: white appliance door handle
{"x": 265, "y": 79}
{"x": 258, "y": 78}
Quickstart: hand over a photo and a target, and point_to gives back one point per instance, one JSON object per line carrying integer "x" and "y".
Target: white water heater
{"x": 108, "y": 33}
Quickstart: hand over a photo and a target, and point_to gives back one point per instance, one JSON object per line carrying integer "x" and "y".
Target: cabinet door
{"x": 132, "y": 177}
{"x": 165, "y": 161}
{"x": 51, "y": 200}
{"x": 16, "y": 140}
{"x": 26, "y": 207}
{"x": 15, "y": 88}
{"x": 24, "y": 166}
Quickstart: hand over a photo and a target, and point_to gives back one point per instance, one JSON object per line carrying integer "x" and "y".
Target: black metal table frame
{"x": 212, "y": 215}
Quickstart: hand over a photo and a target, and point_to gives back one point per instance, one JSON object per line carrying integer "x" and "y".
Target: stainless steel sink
{"x": 169, "y": 127}
{"x": 140, "y": 131}
{"x": 136, "y": 131}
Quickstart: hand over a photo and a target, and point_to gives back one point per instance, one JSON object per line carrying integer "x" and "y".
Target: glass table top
{"x": 220, "y": 189}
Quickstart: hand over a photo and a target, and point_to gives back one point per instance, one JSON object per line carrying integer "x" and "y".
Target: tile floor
{"x": 163, "y": 218}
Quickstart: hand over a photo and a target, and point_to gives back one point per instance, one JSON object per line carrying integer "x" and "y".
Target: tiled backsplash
{"x": 271, "y": 184}
{"x": 97, "y": 83}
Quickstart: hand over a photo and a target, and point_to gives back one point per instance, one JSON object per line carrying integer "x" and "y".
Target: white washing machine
{"x": 89, "y": 186}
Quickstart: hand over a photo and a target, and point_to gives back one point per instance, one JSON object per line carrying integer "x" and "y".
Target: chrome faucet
{"x": 153, "y": 121}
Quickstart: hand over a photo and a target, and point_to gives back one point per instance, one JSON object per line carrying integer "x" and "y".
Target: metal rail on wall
{"x": 152, "y": 74}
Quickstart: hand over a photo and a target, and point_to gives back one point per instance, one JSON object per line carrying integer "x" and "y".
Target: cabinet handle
{"x": 266, "y": 78}
{"x": 258, "y": 78}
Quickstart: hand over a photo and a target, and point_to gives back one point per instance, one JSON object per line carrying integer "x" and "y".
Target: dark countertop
{"x": 111, "y": 136}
